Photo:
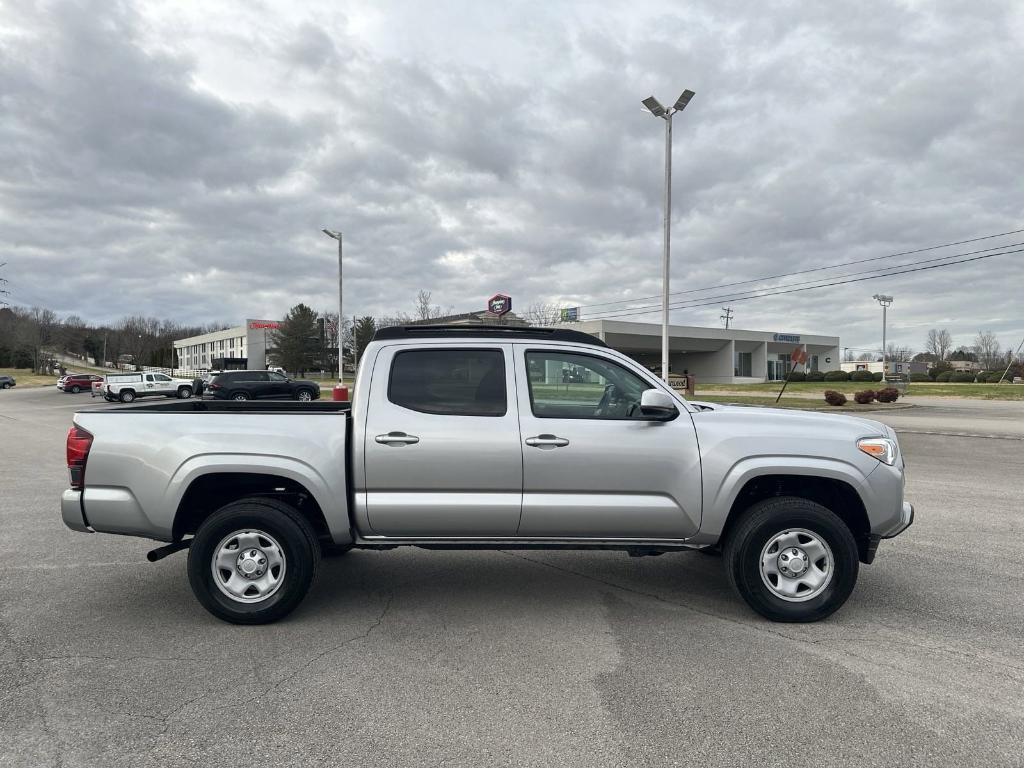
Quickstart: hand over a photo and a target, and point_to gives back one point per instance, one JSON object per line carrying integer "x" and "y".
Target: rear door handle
{"x": 547, "y": 441}
{"x": 397, "y": 438}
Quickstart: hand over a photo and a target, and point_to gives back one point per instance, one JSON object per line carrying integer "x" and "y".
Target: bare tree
{"x": 939, "y": 343}
{"x": 540, "y": 313}
{"x": 865, "y": 357}
{"x": 427, "y": 311}
{"x": 898, "y": 354}
{"x": 986, "y": 345}
{"x": 848, "y": 355}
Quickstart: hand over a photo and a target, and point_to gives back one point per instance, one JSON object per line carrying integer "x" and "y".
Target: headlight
{"x": 882, "y": 448}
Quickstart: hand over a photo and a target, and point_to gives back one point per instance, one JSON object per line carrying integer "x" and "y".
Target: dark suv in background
{"x": 259, "y": 385}
{"x": 6, "y": 382}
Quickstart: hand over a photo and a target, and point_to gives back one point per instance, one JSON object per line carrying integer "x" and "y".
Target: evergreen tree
{"x": 297, "y": 341}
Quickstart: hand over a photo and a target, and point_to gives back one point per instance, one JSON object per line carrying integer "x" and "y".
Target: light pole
{"x": 656, "y": 109}
{"x": 337, "y": 236}
{"x": 885, "y": 301}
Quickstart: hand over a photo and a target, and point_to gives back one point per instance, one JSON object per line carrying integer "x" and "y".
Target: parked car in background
{"x": 73, "y": 383}
{"x": 96, "y": 390}
{"x": 261, "y": 385}
{"x": 128, "y": 386}
{"x": 6, "y": 382}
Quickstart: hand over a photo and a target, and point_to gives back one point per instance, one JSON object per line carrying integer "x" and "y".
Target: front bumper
{"x": 906, "y": 520}
{"x": 71, "y": 511}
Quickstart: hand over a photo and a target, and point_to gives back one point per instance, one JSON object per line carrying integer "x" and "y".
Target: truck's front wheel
{"x": 792, "y": 559}
{"x": 252, "y": 561}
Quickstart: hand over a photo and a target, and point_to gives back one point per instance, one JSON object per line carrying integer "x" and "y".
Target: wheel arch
{"x": 209, "y": 492}
{"x": 836, "y": 494}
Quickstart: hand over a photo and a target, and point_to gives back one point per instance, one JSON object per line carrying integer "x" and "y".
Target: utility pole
{"x": 656, "y": 109}
{"x": 727, "y": 316}
{"x": 885, "y": 301}
{"x": 1008, "y": 365}
{"x": 341, "y": 314}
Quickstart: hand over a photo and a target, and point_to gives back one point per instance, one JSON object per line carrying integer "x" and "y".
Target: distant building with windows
{"x": 892, "y": 367}
{"x": 716, "y": 355}
{"x": 242, "y": 346}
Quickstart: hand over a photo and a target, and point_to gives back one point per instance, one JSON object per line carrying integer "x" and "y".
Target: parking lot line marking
{"x": 958, "y": 434}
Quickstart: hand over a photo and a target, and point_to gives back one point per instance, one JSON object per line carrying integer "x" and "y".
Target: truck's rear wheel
{"x": 126, "y": 396}
{"x": 252, "y": 561}
{"x": 792, "y": 559}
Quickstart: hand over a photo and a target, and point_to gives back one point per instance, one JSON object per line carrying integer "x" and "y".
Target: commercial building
{"x": 243, "y": 346}
{"x": 892, "y": 367}
{"x": 716, "y": 355}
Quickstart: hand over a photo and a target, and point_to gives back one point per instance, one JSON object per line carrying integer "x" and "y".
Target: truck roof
{"x": 484, "y": 331}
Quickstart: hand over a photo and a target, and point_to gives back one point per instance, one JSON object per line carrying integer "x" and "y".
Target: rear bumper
{"x": 71, "y": 511}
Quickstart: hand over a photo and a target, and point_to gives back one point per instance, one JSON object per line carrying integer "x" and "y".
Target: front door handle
{"x": 547, "y": 441}
{"x": 397, "y": 438}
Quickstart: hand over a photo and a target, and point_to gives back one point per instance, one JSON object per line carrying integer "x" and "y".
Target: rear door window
{"x": 451, "y": 382}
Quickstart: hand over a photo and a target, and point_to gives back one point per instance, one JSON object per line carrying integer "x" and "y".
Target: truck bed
{"x": 229, "y": 406}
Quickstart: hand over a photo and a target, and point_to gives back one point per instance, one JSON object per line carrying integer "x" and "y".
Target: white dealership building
{"x": 242, "y": 346}
{"x": 717, "y": 355}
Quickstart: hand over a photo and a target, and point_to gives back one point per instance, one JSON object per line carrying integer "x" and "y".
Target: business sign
{"x": 569, "y": 314}
{"x": 262, "y": 325}
{"x": 786, "y": 338}
{"x": 499, "y": 304}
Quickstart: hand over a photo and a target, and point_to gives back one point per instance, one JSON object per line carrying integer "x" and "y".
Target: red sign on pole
{"x": 799, "y": 356}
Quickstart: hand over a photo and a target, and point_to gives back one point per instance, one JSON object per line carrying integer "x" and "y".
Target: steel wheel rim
{"x": 305, "y": 396}
{"x": 248, "y": 566}
{"x": 240, "y": 397}
{"x": 796, "y": 565}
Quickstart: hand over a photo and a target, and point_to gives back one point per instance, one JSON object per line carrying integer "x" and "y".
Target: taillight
{"x": 213, "y": 386}
{"x": 79, "y": 443}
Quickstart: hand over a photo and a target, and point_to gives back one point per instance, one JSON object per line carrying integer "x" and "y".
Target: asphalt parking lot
{"x": 425, "y": 658}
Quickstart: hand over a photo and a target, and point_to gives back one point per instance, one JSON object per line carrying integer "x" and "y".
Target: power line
{"x": 753, "y": 293}
{"x": 814, "y": 269}
{"x": 691, "y": 305}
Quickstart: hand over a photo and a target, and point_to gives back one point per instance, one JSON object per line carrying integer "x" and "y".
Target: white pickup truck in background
{"x": 126, "y": 387}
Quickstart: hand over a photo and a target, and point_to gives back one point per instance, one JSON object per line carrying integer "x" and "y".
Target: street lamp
{"x": 656, "y": 109}
{"x": 885, "y": 301}
{"x": 337, "y": 236}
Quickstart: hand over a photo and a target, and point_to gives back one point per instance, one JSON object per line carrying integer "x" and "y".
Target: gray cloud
{"x": 158, "y": 160}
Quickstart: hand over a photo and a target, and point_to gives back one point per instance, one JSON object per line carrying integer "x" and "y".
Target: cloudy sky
{"x": 179, "y": 159}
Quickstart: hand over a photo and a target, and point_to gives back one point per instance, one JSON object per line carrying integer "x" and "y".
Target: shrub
{"x": 815, "y": 376}
{"x": 864, "y": 397}
{"x": 993, "y": 378}
{"x": 837, "y": 376}
{"x": 920, "y": 377}
{"x": 944, "y": 376}
{"x": 962, "y": 378}
{"x": 862, "y": 376}
{"x": 878, "y": 376}
{"x": 887, "y": 395}
{"x": 798, "y": 376}
{"x": 834, "y": 398}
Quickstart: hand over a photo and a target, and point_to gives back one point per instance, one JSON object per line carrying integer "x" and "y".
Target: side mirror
{"x": 658, "y": 406}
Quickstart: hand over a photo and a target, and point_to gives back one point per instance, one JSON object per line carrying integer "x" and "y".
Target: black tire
{"x": 184, "y": 393}
{"x": 240, "y": 396}
{"x": 75, "y": 389}
{"x": 126, "y": 396}
{"x": 6, "y": 385}
{"x": 752, "y": 533}
{"x": 298, "y": 542}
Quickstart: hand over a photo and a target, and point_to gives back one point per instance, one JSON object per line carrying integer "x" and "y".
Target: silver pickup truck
{"x": 490, "y": 437}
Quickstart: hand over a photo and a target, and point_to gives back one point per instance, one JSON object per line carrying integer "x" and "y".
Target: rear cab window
{"x": 450, "y": 382}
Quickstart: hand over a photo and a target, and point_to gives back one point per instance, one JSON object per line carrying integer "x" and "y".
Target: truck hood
{"x": 789, "y": 422}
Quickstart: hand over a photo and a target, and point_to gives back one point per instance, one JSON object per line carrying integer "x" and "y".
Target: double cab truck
{"x": 474, "y": 438}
